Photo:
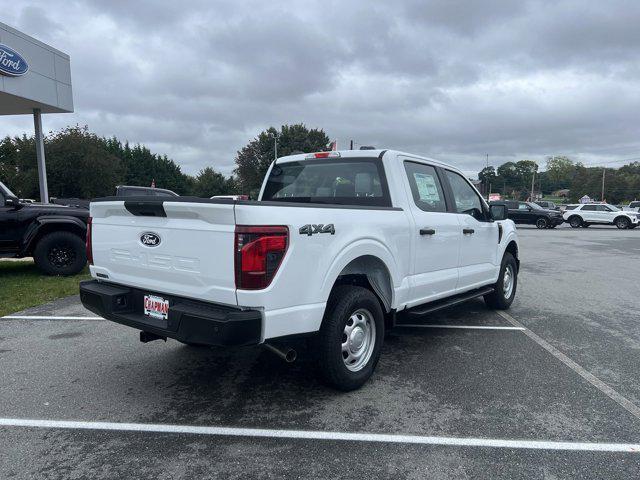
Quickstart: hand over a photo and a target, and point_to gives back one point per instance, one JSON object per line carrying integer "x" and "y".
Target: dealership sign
{"x": 11, "y": 62}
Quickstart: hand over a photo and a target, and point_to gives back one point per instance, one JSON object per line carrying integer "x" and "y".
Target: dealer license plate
{"x": 156, "y": 307}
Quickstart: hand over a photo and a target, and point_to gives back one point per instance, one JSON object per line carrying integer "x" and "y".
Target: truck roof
{"x": 363, "y": 154}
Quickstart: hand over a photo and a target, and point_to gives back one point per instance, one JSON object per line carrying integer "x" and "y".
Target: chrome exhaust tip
{"x": 289, "y": 355}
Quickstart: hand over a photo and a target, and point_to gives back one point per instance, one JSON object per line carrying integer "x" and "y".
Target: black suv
{"x": 53, "y": 234}
{"x": 533, "y": 214}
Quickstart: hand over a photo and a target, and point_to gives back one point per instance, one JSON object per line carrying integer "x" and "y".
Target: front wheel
{"x": 542, "y": 223}
{"x": 622, "y": 223}
{"x": 349, "y": 343}
{"x": 505, "y": 288}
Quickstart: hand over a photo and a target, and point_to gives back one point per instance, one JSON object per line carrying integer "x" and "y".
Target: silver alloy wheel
{"x": 508, "y": 281}
{"x": 358, "y": 339}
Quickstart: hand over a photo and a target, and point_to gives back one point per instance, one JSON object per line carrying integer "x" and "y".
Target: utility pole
{"x": 533, "y": 177}
{"x": 487, "y": 184}
{"x": 602, "y": 195}
{"x": 351, "y": 145}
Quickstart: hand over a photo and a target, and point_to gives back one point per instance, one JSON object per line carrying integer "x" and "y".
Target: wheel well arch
{"x": 512, "y": 248}
{"x": 370, "y": 272}
{"x": 50, "y": 227}
{"x": 622, "y": 216}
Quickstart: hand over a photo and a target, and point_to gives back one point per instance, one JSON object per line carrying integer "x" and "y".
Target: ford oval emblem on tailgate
{"x": 150, "y": 239}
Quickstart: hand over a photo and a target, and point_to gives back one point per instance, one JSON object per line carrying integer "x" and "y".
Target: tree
{"x": 208, "y": 183}
{"x": 559, "y": 168}
{"x": 253, "y": 160}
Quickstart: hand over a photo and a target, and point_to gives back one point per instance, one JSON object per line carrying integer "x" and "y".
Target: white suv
{"x": 583, "y": 215}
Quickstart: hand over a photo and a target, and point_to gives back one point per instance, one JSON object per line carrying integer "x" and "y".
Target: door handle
{"x": 468, "y": 231}
{"x": 427, "y": 231}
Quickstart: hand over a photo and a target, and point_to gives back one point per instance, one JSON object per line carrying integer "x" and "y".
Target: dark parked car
{"x": 53, "y": 234}
{"x": 533, "y": 214}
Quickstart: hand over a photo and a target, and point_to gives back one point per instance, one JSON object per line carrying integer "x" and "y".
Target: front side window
{"x": 465, "y": 197}
{"x": 340, "y": 182}
{"x": 425, "y": 187}
{"x": 523, "y": 206}
{"x": 589, "y": 208}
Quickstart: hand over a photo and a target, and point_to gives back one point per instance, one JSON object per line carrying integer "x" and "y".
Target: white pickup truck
{"x": 337, "y": 248}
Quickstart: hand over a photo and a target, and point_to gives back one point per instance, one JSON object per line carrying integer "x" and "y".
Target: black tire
{"x": 575, "y": 221}
{"x": 498, "y": 299}
{"x": 60, "y": 253}
{"x": 345, "y": 302}
{"x": 542, "y": 222}
{"x": 622, "y": 223}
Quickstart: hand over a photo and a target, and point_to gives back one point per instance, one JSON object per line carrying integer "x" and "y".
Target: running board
{"x": 447, "y": 302}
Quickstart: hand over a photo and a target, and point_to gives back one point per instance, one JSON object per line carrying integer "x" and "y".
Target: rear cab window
{"x": 347, "y": 181}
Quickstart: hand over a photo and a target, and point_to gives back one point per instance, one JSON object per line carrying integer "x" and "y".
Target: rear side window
{"x": 634, "y": 205}
{"x": 340, "y": 182}
{"x": 590, "y": 208}
{"x": 425, "y": 187}
{"x": 571, "y": 207}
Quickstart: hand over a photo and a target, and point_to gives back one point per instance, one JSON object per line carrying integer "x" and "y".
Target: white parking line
{"x": 320, "y": 435}
{"x": 624, "y": 402}
{"x": 470, "y": 327}
{"x": 44, "y": 317}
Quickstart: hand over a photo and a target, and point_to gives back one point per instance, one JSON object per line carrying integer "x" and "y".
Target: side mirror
{"x": 499, "y": 211}
{"x": 12, "y": 202}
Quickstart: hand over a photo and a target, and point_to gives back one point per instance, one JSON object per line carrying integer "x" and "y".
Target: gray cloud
{"x": 451, "y": 79}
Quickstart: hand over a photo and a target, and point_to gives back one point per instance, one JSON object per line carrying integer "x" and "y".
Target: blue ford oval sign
{"x": 11, "y": 62}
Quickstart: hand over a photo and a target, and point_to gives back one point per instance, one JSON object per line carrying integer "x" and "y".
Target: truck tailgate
{"x": 177, "y": 247}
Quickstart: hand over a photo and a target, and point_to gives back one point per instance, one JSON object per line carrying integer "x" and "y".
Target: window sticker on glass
{"x": 427, "y": 188}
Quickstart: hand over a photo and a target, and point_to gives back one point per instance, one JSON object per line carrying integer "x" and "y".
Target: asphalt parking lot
{"x": 555, "y": 394}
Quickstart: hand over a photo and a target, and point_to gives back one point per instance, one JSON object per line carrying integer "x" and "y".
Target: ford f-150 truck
{"x": 338, "y": 247}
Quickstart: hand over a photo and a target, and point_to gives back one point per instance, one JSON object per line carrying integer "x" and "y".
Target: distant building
{"x": 564, "y": 193}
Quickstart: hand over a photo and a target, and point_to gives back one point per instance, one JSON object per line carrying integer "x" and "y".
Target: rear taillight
{"x": 89, "y": 246}
{"x": 259, "y": 251}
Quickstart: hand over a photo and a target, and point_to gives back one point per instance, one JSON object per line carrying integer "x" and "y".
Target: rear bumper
{"x": 188, "y": 320}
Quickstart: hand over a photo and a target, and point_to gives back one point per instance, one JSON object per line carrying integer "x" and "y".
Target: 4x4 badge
{"x": 310, "y": 229}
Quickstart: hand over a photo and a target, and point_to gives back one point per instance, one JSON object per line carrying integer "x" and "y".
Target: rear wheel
{"x": 622, "y": 222}
{"x": 350, "y": 340}
{"x": 575, "y": 221}
{"x": 505, "y": 288}
{"x": 60, "y": 253}
{"x": 542, "y": 222}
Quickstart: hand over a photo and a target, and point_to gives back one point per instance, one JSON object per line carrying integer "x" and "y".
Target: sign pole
{"x": 42, "y": 168}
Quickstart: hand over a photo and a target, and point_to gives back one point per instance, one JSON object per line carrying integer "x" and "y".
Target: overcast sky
{"x": 455, "y": 80}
